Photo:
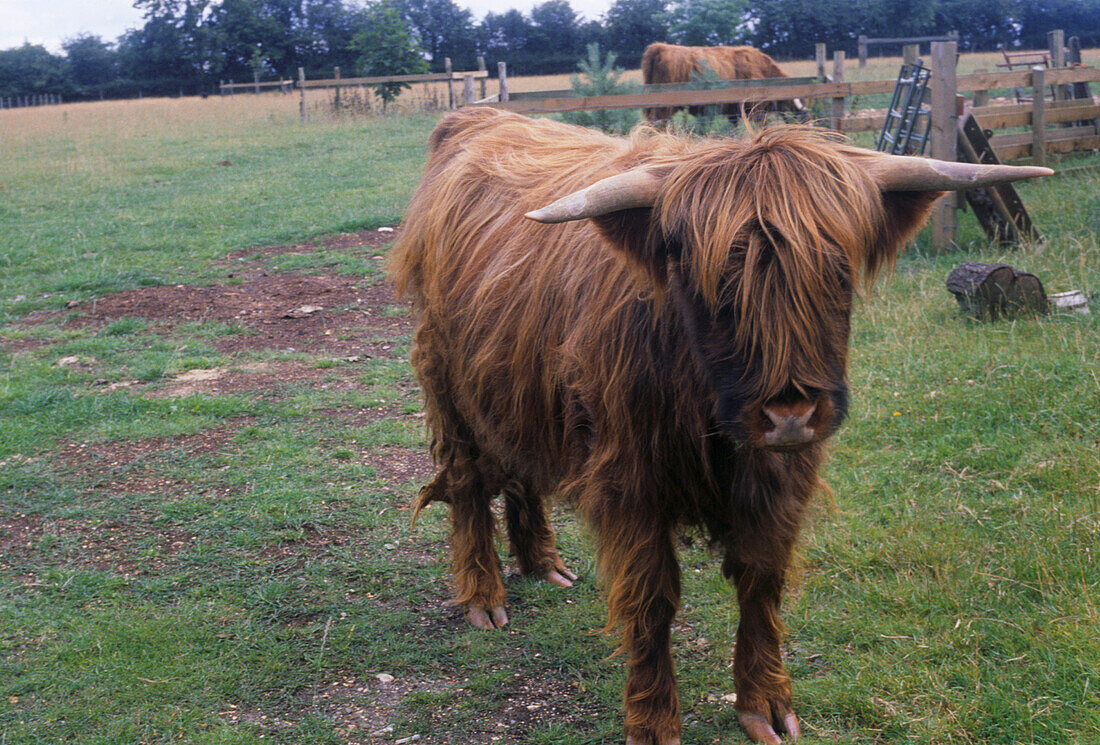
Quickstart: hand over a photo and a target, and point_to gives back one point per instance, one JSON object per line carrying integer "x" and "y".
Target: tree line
{"x": 185, "y": 47}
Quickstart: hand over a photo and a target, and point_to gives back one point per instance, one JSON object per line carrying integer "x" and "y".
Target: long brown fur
{"x": 597, "y": 360}
{"x": 670, "y": 63}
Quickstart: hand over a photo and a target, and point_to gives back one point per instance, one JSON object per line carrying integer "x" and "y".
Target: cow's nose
{"x": 790, "y": 423}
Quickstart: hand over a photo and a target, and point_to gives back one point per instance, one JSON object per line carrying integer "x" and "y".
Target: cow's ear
{"x": 629, "y": 231}
{"x": 905, "y": 213}
{"x": 621, "y": 208}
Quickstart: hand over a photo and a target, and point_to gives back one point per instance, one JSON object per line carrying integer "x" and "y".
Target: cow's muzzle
{"x": 790, "y": 424}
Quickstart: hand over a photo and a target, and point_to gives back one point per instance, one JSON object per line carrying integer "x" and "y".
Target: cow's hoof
{"x": 561, "y": 577}
{"x": 759, "y": 727}
{"x": 494, "y": 618}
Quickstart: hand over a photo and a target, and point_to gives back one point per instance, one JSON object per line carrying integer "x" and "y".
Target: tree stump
{"x": 991, "y": 291}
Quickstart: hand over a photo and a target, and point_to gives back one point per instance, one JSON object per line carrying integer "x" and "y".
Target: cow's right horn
{"x": 624, "y": 191}
{"x": 909, "y": 173}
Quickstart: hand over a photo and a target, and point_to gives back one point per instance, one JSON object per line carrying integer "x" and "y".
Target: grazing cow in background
{"x": 668, "y": 63}
{"x": 661, "y": 341}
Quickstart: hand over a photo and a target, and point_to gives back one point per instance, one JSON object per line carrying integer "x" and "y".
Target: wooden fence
{"x": 1080, "y": 119}
{"x": 451, "y": 77}
{"x": 37, "y": 99}
{"x": 230, "y": 88}
{"x": 864, "y": 42}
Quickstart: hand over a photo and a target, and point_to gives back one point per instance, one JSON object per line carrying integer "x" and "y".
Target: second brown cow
{"x": 669, "y": 63}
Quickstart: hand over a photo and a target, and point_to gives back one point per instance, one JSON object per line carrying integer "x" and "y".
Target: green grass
{"x": 239, "y": 567}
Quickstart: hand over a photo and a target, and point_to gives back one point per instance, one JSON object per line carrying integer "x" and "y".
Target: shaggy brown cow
{"x": 672, "y": 355}
{"x": 668, "y": 63}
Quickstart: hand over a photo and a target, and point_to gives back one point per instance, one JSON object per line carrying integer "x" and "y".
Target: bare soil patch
{"x": 399, "y": 465}
{"x": 339, "y": 241}
{"x": 110, "y": 546}
{"x": 257, "y": 376}
{"x": 287, "y": 311}
{"x": 102, "y": 461}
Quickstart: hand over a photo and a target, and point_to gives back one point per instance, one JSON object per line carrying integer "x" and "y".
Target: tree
{"x": 248, "y": 38}
{"x": 90, "y": 64}
{"x": 707, "y": 23}
{"x": 31, "y": 69}
{"x": 443, "y": 30}
{"x": 385, "y": 47}
{"x": 504, "y": 36}
{"x": 599, "y": 76}
{"x": 632, "y": 25}
{"x": 554, "y": 41}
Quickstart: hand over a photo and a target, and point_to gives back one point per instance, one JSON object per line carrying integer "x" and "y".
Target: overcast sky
{"x": 48, "y": 22}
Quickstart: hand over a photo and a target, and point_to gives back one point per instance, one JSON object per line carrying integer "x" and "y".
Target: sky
{"x": 49, "y": 22}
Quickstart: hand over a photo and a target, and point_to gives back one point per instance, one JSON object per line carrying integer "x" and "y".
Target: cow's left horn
{"x": 909, "y": 173}
{"x": 623, "y": 191}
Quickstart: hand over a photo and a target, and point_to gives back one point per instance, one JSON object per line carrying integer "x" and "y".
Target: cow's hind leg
{"x": 474, "y": 561}
{"x": 478, "y": 585}
{"x": 531, "y": 536}
{"x": 467, "y": 481}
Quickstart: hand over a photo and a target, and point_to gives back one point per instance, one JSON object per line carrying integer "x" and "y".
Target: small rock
{"x": 385, "y": 230}
{"x": 303, "y": 311}
{"x": 729, "y": 698}
{"x": 384, "y": 731}
{"x": 353, "y": 358}
{"x": 71, "y": 361}
{"x": 404, "y": 740}
{"x": 384, "y": 678}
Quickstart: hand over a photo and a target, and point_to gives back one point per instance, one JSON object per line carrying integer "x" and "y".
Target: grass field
{"x": 209, "y": 436}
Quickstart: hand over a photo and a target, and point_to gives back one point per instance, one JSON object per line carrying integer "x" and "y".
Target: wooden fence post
{"x": 502, "y": 78}
{"x": 945, "y": 136}
{"x": 481, "y": 68}
{"x": 1073, "y": 58}
{"x": 819, "y": 58}
{"x": 336, "y": 99}
{"x": 1056, "y": 40}
{"x": 910, "y": 54}
{"x": 452, "y": 103}
{"x": 256, "y": 82}
{"x": 981, "y": 98}
{"x": 302, "y": 88}
{"x": 863, "y": 50}
{"x": 1038, "y": 117}
{"x": 467, "y": 90}
{"x": 837, "y": 121}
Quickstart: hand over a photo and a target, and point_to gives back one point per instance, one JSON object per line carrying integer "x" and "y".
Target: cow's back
{"x": 501, "y": 296}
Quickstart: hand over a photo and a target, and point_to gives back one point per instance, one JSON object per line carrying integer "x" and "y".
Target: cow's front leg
{"x": 640, "y": 566}
{"x": 763, "y": 686}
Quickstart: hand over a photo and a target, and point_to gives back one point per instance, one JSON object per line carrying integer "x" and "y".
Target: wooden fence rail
{"x": 865, "y": 42}
{"x": 424, "y": 78}
{"x": 231, "y": 87}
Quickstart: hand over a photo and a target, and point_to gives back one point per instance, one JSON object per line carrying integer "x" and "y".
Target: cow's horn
{"x": 634, "y": 188}
{"x": 908, "y": 173}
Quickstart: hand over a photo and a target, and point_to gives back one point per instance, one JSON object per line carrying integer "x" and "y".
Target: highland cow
{"x": 654, "y": 330}
{"x": 668, "y": 63}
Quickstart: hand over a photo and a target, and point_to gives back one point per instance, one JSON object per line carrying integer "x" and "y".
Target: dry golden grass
{"x": 155, "y": 116}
